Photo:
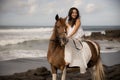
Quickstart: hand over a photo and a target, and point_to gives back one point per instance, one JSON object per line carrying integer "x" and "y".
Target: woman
{"x": 74, "y": 24}
{"x": 74, "y": 34}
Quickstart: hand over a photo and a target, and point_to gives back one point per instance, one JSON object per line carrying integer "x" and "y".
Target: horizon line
{"x": 50, "y": 25}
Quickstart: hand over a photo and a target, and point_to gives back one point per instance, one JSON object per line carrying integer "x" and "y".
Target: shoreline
{"x": 43, "y": 72}
{"x": 10, "y": 67}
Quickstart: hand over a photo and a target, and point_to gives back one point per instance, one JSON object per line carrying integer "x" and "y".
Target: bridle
{"x": 57, "y": 39}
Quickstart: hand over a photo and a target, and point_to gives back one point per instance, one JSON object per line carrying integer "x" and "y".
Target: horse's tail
{"x": 98, "y": 71}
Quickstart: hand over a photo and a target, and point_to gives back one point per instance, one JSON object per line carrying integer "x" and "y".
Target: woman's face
{"x": 74, "y": 14}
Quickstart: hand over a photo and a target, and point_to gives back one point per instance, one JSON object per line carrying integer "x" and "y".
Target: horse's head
{"x": 61, "y": 30}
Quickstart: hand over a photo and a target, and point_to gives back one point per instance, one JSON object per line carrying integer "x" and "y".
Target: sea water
{"x": 33, "y": 42}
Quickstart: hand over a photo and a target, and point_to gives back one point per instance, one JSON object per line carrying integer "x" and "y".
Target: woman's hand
{"x": 68, "y": 37}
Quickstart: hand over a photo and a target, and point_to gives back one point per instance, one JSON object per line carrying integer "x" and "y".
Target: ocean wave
{"x": 109, "y": 51}
{"x": 109, "y": 46}
{"x": 14, "y": 54}
{"x": 88, "y": 33}
{"x": 26, "y": 30}
{"x": 8, "y": 53}
{"x": 22, "y": 37}
{"x": 15, "y": 36}
{"x": 17, "y": 41}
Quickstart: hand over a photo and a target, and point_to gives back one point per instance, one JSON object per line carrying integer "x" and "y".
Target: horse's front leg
{"x": 54, "y": 72}
{"x": 64, "y": 73}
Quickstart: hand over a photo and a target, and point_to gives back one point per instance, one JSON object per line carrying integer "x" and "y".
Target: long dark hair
{"x": 72, "y": 21}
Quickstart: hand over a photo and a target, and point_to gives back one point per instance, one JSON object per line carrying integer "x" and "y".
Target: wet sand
{"x": 31, "y": 69}
{"x": 21, "y": 65}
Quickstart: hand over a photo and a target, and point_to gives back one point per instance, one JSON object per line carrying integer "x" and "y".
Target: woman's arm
{"x": 67, "y": 26}
{"x": 77, "y": 25}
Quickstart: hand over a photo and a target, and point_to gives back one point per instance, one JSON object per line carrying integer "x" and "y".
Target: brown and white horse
{"x": 56, "y": 49}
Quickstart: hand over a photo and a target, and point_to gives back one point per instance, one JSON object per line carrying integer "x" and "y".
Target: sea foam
{"x": 14, "y": 54}
{"x": 15, "y": 36}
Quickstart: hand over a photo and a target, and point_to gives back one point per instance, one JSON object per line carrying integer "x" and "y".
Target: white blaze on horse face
{"x": 54, "y": 76}
{"x": 62, "y": 42}
{"x": 63, "y": 36}
{"x": 65, "y": 32}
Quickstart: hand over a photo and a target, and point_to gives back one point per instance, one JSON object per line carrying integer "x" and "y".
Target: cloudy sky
{"x": 42, "y": 12}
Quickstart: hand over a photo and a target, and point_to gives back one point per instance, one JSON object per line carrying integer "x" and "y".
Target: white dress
{"x": 74, "y": 56}
{"x": 78, "y": 34}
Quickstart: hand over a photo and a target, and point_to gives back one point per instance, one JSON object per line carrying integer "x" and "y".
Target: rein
{"x": 76, "y": 45}
{"x": 57, "y": 38}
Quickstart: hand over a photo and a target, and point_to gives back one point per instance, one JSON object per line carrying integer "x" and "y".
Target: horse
{"x": 55, "y": 54}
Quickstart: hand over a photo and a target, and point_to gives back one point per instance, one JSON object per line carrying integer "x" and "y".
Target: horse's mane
{"x": 54, "y": 34}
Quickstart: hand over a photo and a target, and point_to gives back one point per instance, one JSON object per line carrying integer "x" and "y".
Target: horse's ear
{"x": 56, "y": 17}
